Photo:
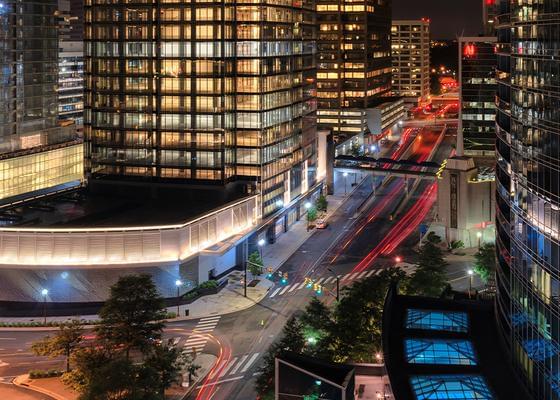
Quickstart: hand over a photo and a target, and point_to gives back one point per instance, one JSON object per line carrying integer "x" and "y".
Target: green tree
{"x": 317, "y": 325}
{"x": 132, "y": 317}
{"x": 356, "y": 149}
{"x": 321, "y": 204}
{"x": 312, "y": 214}
{"x": 356, "y": 332}
{"x": 430, "y": 277}
{"x": 63, "y": 343}
{"x": 164, "y": 366}
{"x": 255, "y": 263}
{"x": 191, "y": 367}
{"x": 485, "y": 261}
{"x": 292, "y": 339}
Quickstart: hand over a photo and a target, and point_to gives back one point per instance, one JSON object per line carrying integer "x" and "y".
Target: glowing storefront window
{"x": 467, "y": 387}
{"x": 437, "y": 351}
{"x": 437, "y": 320}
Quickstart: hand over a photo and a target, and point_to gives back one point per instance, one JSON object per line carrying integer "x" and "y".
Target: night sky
{"x": 449, "y": 18}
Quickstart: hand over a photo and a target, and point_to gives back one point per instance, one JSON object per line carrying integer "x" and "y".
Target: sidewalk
{"x": 275, "y": 255}
{"x": 52, "y": 387}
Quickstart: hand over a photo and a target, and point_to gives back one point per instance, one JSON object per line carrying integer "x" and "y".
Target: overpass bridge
{"x": 387, "y": 166}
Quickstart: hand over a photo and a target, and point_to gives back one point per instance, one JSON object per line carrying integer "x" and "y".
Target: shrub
{"x": 208, "y": 285}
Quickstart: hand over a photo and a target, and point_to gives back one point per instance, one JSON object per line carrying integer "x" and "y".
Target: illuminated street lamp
{"x": 398, "y": 259}
{"x": 261, "y": 244}
{"x": 471, "y": 273}
{"x": 479, "y": 236}
{"x": 45, "y": 293}
{"x": 345, "y": 174}
{"x": 178, "y": 284}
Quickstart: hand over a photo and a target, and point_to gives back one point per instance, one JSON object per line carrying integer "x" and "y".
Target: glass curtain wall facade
{"x": 411, "y": 59}
{"x": 528, "y": 190}
{"x": 206, "y": 92}
{"x": 28, "y": 66}
{"x": 477, "y": 94}
{"x": 354, "y": 62}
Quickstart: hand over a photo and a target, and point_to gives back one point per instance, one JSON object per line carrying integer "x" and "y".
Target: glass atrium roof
{"x": 440, "y": 351}
{"x": 459, "y": 387}
{"x": 451, "y": 321}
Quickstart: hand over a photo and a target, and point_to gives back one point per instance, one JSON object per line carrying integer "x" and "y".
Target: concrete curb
{"x": 19, "y": 381}
{"x": 198, "y": 380}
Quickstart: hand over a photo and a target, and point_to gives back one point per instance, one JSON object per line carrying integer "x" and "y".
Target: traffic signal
{"x": 317, "y": 288}
{"x": 285, "y": 278}
{"x": 308, "y": 282}
{"x": 270, "y": 271}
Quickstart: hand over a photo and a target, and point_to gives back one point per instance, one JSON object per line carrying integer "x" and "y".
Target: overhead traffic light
{"x": 284, "y": 278}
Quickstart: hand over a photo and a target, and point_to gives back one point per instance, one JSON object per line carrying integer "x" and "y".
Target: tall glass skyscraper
{"x": 36, "y": 155}
{"x": 205, "y": 92}
{"x": 354, "y": 63}
{"x": 528, "y": 189}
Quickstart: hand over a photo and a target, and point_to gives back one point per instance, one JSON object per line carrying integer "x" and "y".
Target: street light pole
{"x": 245, "y": 279}
{"x": 345, "y": 174}
{"x": 337, "y": 284}
{"x": 470, "y": 272}
{"x": 178, "y": 283}
{"x": 45, "y": 292}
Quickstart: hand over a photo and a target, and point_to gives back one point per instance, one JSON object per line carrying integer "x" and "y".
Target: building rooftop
{"x": 339, "y": 374}
{"x": 445, "y": 349}
{"x": 82, "y": 209}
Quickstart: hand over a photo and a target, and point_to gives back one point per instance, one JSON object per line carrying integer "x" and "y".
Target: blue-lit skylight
{"x": 540, "y": 349}
{"x": 451, "y": 321}
{"x": 439, "y": 351}
{"x": 458, "y": 387}
{"x": 554, "y": 381}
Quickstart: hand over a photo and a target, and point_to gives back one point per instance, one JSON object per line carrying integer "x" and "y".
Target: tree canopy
{"x": 485, "y": 261}
{"x": 430, "y": 278}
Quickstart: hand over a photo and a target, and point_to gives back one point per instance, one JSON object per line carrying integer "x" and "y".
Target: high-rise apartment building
{"x": 528, "y": 190}
{"x": 477, "y": 95}
{"x": 70, "y": 62}
{"x": 410, "y": 43}
{"x": 489, "y": 16}
{"x": 204, "y": 93}
{"x": 354, "y": 63}
{"x": 36, "y": 155}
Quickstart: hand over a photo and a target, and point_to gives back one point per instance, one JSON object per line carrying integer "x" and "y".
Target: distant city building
{"x": 354, "y": 63}
{"x": 410, "y": 43}
{"x": 528, "y": 191}
{"x": 37, "y": 156}
{"x": 70, "y": 62}
{"x": 490, "y": 16}
{"x": 212, "y": 95}
{"x": 477, "y": 94}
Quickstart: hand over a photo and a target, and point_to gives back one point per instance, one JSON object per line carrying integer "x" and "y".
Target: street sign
{"x": 423, "y": 228}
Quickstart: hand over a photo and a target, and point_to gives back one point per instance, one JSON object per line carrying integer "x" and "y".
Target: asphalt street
{"x": 240, "y": 340}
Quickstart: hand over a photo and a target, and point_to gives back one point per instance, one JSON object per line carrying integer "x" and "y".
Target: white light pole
{"x": 45, "y": 293}
{"x": 479, "y": 236}
{"x": 471, "y": 273}
{"x": 261, "y": 244}
{"x": 345, "y": 174}
{"x": 178, "y": 284}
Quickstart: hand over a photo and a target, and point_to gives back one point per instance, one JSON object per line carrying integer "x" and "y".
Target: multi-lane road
{"x": 357, "y": 244}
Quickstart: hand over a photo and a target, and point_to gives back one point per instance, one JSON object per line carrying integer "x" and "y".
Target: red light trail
{"x": 208, "y": 387}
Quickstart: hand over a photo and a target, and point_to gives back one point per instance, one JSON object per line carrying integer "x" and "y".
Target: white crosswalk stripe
{"x": 249, "y": 362}
{"x": 238, "y": 365}
{"x": 361, "y": 275}
{"x": 228, "y": 367}
{"x": 198, "y": 339}
{"x": 284, "y": 290}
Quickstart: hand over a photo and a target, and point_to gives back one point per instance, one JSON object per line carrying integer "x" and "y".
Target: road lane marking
{"x": 361, "y": 275}
{"x": 353, "y": 276}
{"x": 276, "y": 291}
{"x": 328, "y": 280}
{"x": 228, "y": 367}
{"x": 234, "y": 370}
{"x": 370, "y": 273}
{"x": 205, "y": 319}
{"x": 208, "y": 329}
{"x": 319, "y": 281}
{"x": 283, "y": 290}
{"x": 207, "y": 324}
{"x": 301, "y": 285}
{"x": 236, "y": 378}
{"x": 249, "y": 363}
{"x": 294, "y": 287}
{"x": 195, "y": 341}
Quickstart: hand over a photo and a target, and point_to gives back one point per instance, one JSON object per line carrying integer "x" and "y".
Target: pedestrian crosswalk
{"x": 196, "y": 342}
{"x": 236, "y": 365}
{"x": 282, "y": 290}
